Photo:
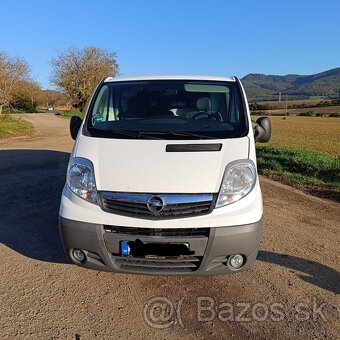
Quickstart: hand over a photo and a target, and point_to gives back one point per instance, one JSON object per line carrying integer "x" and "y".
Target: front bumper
{"x": 211, "y": 249}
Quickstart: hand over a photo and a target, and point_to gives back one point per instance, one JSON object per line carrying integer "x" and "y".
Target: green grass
{"x": 311, "y": 170}
{"x": 13, "y": 127}
{"x": 11, "y": 110}
{"x": 70, "y": 113}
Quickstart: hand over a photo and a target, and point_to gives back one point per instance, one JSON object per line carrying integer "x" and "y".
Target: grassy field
{"x": 14, "y": 127}
{"x": 304, "y": 152}
{"x": 307, "y": 133}
{"x": 315, "y": 172}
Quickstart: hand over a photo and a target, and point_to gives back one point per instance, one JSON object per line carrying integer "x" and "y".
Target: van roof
{"x": 170, "y": 77}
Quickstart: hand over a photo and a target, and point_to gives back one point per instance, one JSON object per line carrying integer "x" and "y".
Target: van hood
{"x": 130, "y": 165}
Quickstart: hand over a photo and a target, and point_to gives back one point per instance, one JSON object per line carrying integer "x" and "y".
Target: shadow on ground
{"x": 312, "y": 272}
{"x": 31, "y": 183}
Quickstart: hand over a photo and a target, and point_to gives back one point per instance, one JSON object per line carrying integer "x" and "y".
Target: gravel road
{"x": 292, "y": 291}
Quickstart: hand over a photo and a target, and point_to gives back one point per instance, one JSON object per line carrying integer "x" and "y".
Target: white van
{"x": 162, "y": 178}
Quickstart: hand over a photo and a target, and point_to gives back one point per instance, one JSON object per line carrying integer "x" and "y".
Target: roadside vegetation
{"x": 78, "y": 71}
{"x": 75, "y": 73}
{"x": 70, "y": 113}
{"x": 324, "y": 111}
{"x": 304, "y": 108}
{"x": 11, "y": 110}
{"x": 18, "y": 90}
{"x": 315, "y": 172}
{"x": 293, "y": 104}
{"x": 14, "y": 127}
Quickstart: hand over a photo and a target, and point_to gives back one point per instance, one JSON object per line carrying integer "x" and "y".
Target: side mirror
{"x": 75, "y": 124}
{"x": 263, "y": 129}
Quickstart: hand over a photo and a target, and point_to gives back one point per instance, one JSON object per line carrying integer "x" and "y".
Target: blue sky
{"x": 215, "y": 37}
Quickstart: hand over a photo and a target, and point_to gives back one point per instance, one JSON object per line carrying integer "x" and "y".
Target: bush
{"x": 306, "y": 114}
{"x": 259, "y": 113}
{"x": 70, "y": 113}
{"x": 280, "y": 114}
{"x": 335, "y": 115}
{"x": 319, "y": 114}
{"x": 24, "y": 104}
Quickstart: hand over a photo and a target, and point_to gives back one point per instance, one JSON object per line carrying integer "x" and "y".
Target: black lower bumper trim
{"x": 210, "y": 251}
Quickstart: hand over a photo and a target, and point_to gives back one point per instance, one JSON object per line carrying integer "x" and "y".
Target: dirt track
{"x": 42, "y": 297}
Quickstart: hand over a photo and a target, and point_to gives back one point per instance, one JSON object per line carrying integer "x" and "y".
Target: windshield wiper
{"x": 151, "y": 134}
{"x": 132, "y": 134}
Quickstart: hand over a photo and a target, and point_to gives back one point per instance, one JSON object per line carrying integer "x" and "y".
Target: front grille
{"x": 182, "y": 264}
{"x": 162, "y": 232}
{"x": 160, "y": 206}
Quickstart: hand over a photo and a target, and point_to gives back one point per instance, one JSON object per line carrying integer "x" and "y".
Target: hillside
{"x": 261, "y": 86}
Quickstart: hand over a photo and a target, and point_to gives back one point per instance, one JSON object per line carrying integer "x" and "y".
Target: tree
{"x": 34, "y": 92}
{"x": 55, "y": 98}
{"x": 27, "y": 95}
{"x": 77, "y": 72}
{"x": 12, "y": 72}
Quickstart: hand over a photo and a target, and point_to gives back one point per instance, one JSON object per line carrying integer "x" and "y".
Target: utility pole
{"x": 279, "y": 96}
{"x": 286, "y": 105}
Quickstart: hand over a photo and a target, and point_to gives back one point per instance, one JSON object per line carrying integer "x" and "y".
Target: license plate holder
{"x": 142, "y": 249}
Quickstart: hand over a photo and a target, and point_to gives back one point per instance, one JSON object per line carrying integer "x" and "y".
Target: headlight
{"x": 80, "y": 179}
{"x": 238, "y": 181}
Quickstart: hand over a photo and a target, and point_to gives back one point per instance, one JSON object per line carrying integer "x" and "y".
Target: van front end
{"x": 162, "y": 179}
{"x": 204, "y": 244}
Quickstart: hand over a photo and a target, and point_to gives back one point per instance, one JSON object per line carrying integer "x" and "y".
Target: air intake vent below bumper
{"x": 156, "y": 265}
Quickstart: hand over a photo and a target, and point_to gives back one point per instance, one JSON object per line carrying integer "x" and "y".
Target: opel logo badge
{"x": 155, "y": 204}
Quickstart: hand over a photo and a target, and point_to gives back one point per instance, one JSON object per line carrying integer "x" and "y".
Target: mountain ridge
{"x": 260, "y": 86}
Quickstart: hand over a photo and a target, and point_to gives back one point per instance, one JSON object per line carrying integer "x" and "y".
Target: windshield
{"x": 172, "y": 109}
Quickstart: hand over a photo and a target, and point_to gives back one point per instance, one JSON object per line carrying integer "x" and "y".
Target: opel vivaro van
{"x": 162, "y": 178}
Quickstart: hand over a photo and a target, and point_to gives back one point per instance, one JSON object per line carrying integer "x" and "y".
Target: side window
{"x": 103, "y": 109}
{"x": 101, "y": 106}
{"x": 234, "y": 113}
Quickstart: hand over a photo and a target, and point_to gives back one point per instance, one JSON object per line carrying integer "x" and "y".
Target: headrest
{"x": 203, "y": 104}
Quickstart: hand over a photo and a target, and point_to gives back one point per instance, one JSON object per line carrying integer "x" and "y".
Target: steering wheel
{"x": 211, "y": 115}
